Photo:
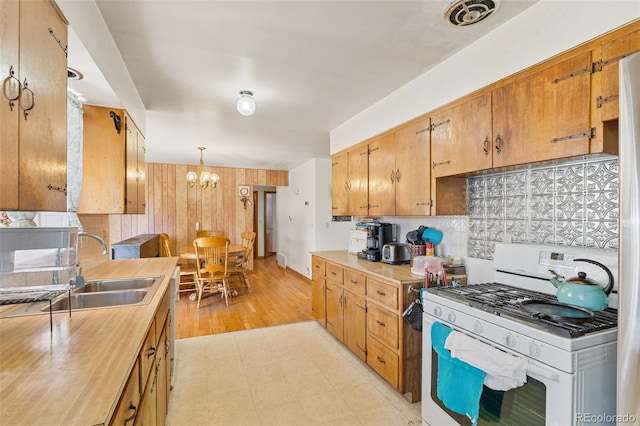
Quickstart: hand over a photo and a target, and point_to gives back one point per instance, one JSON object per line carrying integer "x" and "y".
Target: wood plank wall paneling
{"x": 174, "y": 208}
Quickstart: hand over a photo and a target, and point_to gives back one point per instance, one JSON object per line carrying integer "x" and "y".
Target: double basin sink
{"x": 96, "y": 294}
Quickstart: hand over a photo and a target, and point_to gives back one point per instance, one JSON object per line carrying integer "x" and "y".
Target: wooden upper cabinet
{"x": 413, "y": 196}
{"x": 9, "y": 113}
{"x": 461, "y": 138}
{"x": 339, "y": 184}
{"x": 612, "y": 52}
{"x": 35, "y": 124}
{"x": 382, "y": 171}
{"x": 135, "y": 169}
{"x": 544, "y": 115}
{"x": 103, "y": 161}
{"x": 349, "y": 181}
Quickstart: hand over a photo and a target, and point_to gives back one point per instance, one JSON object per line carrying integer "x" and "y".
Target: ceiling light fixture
{"x": 246, "y": 104}
{"x": 202, "y": 178}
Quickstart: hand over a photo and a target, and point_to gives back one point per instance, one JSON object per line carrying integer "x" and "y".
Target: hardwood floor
{"x": 277, "y": 296}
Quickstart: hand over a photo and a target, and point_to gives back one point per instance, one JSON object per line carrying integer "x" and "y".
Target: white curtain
{"x": 74, "y": 159}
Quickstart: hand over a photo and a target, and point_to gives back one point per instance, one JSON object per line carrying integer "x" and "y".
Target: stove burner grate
{"x": 504, "y": 300}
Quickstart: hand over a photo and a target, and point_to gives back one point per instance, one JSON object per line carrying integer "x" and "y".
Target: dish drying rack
{"x": 35, "y": 294}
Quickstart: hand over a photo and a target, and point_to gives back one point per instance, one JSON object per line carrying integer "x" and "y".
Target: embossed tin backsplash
{"x": 574, "y": 204}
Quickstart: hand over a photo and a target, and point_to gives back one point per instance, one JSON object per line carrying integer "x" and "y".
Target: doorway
{"x": 264, "y": 220}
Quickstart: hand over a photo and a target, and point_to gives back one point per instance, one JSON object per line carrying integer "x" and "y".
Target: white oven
{"x": 571, "y": 379}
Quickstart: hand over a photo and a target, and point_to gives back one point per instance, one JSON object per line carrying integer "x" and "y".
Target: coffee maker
{"x": 378, "y": 234}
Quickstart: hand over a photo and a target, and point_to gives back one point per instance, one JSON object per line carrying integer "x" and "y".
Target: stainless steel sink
{"x": 97, "y": 300}
{"x": 117, "y": 284}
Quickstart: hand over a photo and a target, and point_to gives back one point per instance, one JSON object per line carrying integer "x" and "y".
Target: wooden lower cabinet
{"x": 145, "y": 400}
{"x": 355, "y": 323}
{"x": 364, "y": 311}
{"x": 318, "y": 290}
{"x": 129, "y": 404}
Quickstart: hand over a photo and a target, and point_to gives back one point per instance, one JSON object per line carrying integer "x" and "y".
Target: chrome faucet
{"x": 98, "y": 238}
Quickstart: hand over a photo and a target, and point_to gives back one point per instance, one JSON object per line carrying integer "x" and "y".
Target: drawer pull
{"x": 381, "y": 293}
{"x": 133, "y": 416}
{"x": 354, "y": 281}
{"x": 381, "y": 360}
{"x": 333, "y": 273}
{"x": 151, "y": 352}
{"x": 380, "y": 323}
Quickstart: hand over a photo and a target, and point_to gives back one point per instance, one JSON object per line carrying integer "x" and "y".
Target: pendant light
{"x": 202, "y": 178}
{"x": 246, "y": 104}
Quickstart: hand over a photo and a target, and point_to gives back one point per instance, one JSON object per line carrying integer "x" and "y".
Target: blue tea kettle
{"x": 582, "y": 291}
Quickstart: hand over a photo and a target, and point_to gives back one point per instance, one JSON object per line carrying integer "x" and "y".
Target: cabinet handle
{"x": 7, "y": 84}
{"x": 441, "y": 163}
{"x": 485, "y": 146}
{"x": 393, "y": 177}
{"x": 29, "y": 92}
{"x": 381, "y": 360}
{"x": 133, "y": 416}
{"x": 498, "y": 144}
{"x": 354, "y": 281}
{"x": 380, "y": 323}
{"x": 381, "y": 293}
{"x": 346, "y": 185}
{"x": 342, "y": 300}
{"x": 397, "y": 175}
{"x": 167, "y": 346}
{"x": 151, "y": 352}
{"x": 424, "y": 203}
{"x": 333, "y": 273}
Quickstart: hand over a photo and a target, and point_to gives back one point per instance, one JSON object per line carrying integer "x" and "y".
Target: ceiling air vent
{"x": 467, "y": 12}
{"x": 74, "y": 74}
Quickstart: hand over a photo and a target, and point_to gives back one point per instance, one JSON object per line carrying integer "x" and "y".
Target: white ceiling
{"x": 311, "y": 65}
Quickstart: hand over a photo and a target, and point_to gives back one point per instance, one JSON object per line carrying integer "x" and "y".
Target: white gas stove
{"x": 567, "y": 357}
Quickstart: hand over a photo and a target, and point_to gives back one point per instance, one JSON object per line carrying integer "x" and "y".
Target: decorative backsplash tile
{"x": 575, "y": 204}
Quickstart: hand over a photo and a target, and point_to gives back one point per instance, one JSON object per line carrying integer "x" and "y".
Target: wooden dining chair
{"x": 188, "y": 278}
{"x": 211, "y": 233}
{"x": 211, "y": 258}
{"x": 241, "y": 265}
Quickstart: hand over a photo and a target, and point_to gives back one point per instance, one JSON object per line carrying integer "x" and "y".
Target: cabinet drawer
{"x": 129, "y": 403}
{"x": 355, "y": 281}
{"x": 383, "y": 361}
{"x": 383, "y": 293}
{"x": 335, "y": 273}
{"x": 317, "y": 268}
{"x": 147, "y": 354}
{"x": 383, "y": 325}
{"x": 161, "y": 315}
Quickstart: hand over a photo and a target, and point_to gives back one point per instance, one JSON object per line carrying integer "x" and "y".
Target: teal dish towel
{"x": 459, "y": 384}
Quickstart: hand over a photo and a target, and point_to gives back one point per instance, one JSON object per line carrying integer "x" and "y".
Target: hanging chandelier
{"x": 202, "y": 178}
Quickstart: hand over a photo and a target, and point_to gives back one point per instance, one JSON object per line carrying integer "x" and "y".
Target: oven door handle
{"x": 536, "y": 370}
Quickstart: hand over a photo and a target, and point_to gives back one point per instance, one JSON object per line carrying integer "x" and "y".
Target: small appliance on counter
{"x": 396, "y": 253}
{"x": 378, "y": 234}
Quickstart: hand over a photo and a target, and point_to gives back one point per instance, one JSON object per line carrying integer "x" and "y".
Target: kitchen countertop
{"x": 400, "y": 274}
{"x": 75, "y": 374}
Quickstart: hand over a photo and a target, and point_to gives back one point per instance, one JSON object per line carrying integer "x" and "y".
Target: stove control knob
{"x": 509, "y": 339}
{"x": 477, "y": 327}
{"x": 437, "y": 311}
{"x": 451, "y": 317}
{"x": 534, "y": 349}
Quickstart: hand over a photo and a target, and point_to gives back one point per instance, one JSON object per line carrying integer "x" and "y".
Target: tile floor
{"x": 295, "y": 374}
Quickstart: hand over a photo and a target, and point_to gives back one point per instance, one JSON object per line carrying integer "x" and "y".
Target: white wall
{"x": 545, "y": 29}
{"x": 304, "y": 216}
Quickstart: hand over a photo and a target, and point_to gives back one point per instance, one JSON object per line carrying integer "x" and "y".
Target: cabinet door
{"x": 141, "y": 174}
{"x": 382, "y": 170}
{"x": 9, "y": 111}
{"x": 318, "y": 300}
{"x": 355, "y": 323}
{"x": 162, "y": 380}
{"x": 103, "y": 161}
{"x": 131, "y": 168}
{"x": 461, "y": 138}
{"x": 334, "y": 310}
{"x": 129, "y": 404}
{"x": 148, "y": 405}
{"x": 43, "y": 108}
{"x": 543, "y": 116}
{"x": 359, "y": 180}
{"x": 339, "y": 184}
{"x": 412, "y": 170}
{"x": 612, "y": 52}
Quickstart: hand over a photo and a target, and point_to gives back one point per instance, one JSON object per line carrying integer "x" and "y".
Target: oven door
{"x": 545, "y": 399}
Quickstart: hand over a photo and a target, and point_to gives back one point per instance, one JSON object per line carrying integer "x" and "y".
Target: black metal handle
{"x": 151, "y": 352}
{"x": 485, "y": 146}
{"x": 29, "y": 94}
{"x": 498, "y": 144}
{"x": 6, "y": 84}
{"x": 381, "y": 360}
{"x": 380, "y": 323}
{"x": 133, "y": 416}
{"x": 381, "y": 293}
